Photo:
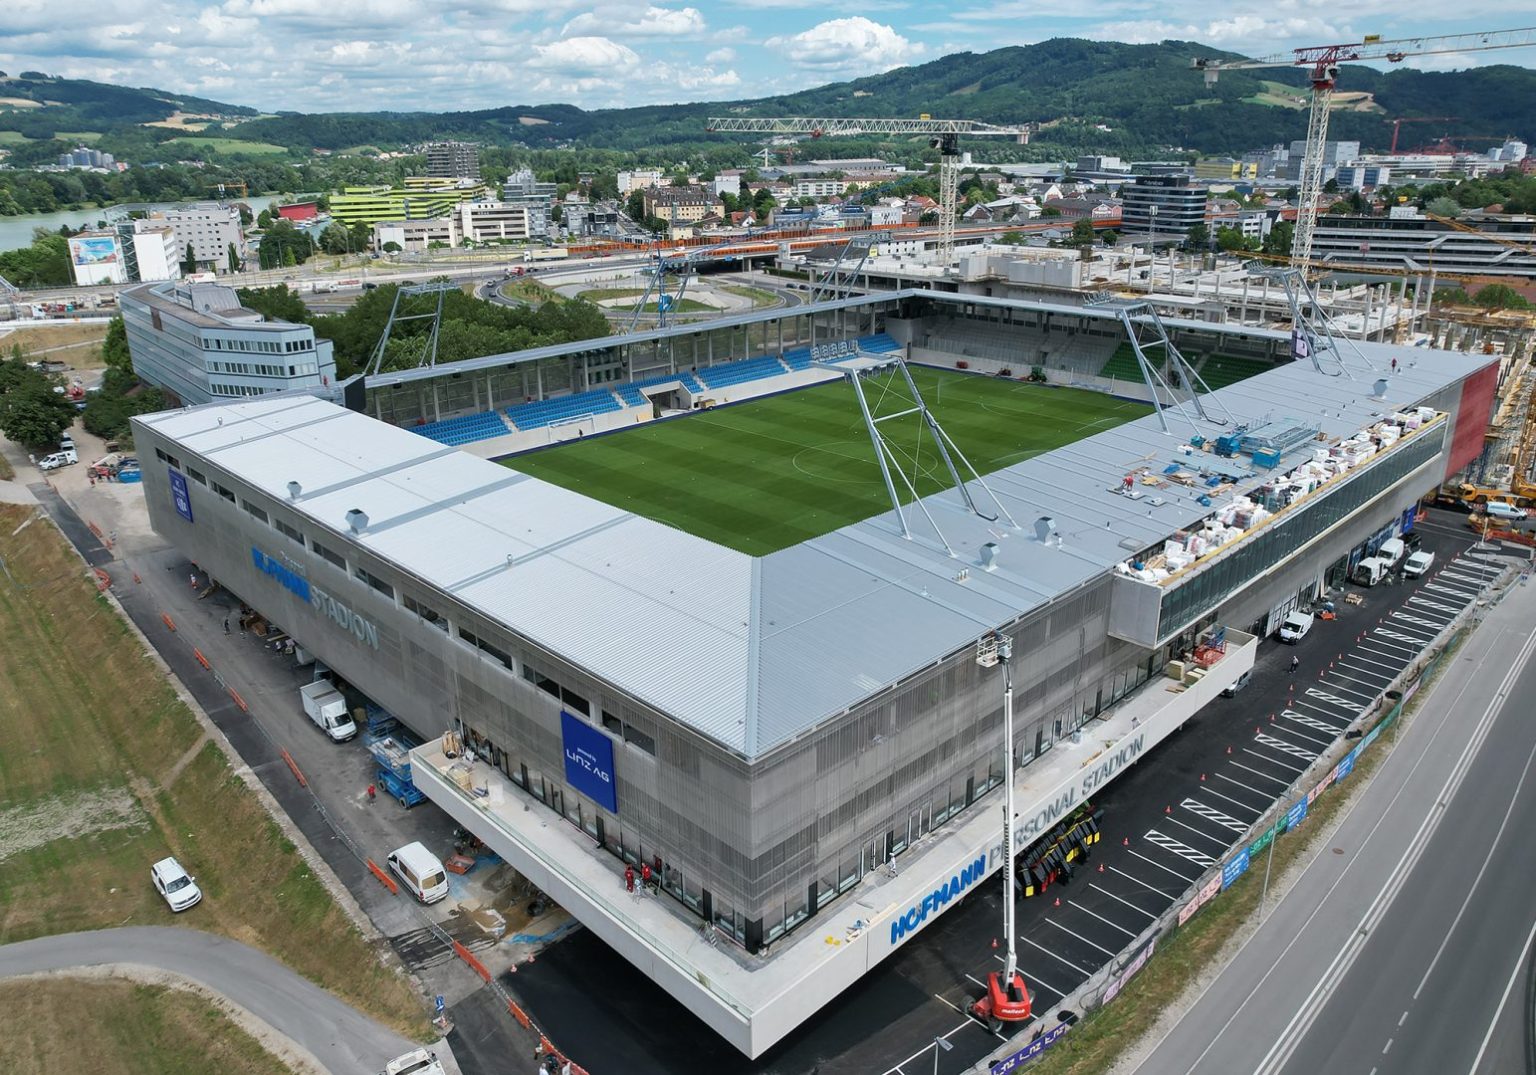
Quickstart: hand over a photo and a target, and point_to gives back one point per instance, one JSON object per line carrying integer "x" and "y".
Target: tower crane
{"x": 944, "y": 136}
{"x": 1322, "y": 62}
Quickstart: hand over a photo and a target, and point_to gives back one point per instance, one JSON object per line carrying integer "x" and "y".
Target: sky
{"x": 364, "y": 55}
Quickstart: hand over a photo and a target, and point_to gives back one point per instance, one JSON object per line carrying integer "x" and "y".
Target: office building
{"x": 453, "y": 160}
{"x": 1161, "y": 206}
{"x": 680, "y": 205}
{"x": 96, "y": 257}
{"x": 1497, "y": 245}
{"x": 487, "y": 221}
{"x": 211, "y": 228}
{"x": 417, "y": 198}
{"x": 522, "y": 184}
{"x": 1334, "y": 154}
{"x": 151, "y": 249}
{"x": 200, "y": 345}
{"x": 414, "y": 236}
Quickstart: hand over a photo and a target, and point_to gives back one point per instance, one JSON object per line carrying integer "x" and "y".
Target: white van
{"x": 1391, "y": 551}
{"x": 1370, "y": 571}
{"x": 58, "y": 459}
{"x": 1417, "y": 564}
{"x": 423, "y": 875}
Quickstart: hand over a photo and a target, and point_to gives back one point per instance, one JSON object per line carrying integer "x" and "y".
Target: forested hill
{"x": 1148, "y": 96}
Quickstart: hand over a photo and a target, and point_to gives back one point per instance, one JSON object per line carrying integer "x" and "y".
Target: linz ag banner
{"x": 179, "y": 495}
{"x": 589, "y": 761}
{"x": 1234, "y": 868}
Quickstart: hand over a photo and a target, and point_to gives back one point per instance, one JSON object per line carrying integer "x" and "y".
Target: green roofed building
{"x": 419, "y": 198}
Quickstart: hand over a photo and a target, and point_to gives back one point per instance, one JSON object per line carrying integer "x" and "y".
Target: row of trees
{"x": 31, "y": 412}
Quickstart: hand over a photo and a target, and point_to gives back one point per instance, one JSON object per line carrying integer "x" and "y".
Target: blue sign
{"x": 1234, "y": 868}
{"x": 1295, "y": 815}
{"x": 289, "y": 579}
{"x": 913, "y": 918}
{"x": 589, "y": 761}
{"x": 1346, "y": 765}
{"x": 664, "y": 303}
{"x": 441, "y": 1004}
{"x": 179, "y": 495}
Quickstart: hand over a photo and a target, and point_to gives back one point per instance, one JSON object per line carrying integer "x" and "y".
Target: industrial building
{"x": 776, "y": 731}
{"x": 453, "y": 160}
{"x": 200, "y": 345}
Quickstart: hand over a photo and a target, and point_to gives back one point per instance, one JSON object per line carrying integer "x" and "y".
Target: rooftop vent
{"x": 989, "y": 556}
{"x": 295, "y": 490}
{"x": 1045, "y": 526}
{"x": 1381, "y": 388}
{"x": 357, "y": 519}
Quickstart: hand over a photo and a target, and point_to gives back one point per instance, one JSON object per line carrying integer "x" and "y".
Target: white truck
{"x": 1371, "y": 570}
{"x": 324, "y": 705}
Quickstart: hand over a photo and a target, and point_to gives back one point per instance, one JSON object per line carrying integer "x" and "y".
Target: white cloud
{"x": 725, "y": 55}
{"x": 647, "y": 22}
{"x": 585, "y": 55}
{"x": 845, "y": 44}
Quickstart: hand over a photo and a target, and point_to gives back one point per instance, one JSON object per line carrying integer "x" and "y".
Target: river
{"x": 16, "y": 231}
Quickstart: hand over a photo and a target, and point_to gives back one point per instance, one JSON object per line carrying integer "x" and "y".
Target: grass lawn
{"x": 599, "y": 294}
{"x": 230, "y": 145}
{"x": 111, "y": 1027}
{"x": 768, "y": 474}
{"x": 759, "y": 296}
{"x": 530, "y": 291}
{"x": 12, "y": 137}
{"x": 105, "y": 770}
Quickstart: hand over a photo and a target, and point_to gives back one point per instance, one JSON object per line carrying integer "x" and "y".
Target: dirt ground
{"x": 116, "y": 1027}
{"x": 79, "y": 345}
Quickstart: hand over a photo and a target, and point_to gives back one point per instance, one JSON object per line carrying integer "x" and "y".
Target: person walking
{"x": 372, "y": 791}
{"x": 645, "y": 876}
{"x": 226, "y": 625}
{"x": 1295, "y": 662}
{"x": 629, "y": 878}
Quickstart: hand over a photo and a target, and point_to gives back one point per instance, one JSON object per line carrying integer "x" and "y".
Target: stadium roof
{"x": 752, "y": 652}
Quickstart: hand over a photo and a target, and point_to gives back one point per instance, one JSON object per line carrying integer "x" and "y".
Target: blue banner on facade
{"x": 1295, "y": 815}
{"x": 179, "y": 495}
{"x": 1409, "y": 516}
{"x": 1346, "y": 765}
{"x": 589, "y": 761}
{"x": 1234, "y": 868}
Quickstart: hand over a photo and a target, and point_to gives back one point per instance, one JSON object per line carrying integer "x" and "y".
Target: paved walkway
{"x": 335, "y": 1036}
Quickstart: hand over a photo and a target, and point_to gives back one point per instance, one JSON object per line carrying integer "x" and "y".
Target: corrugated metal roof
{"x": 754, "y": 652}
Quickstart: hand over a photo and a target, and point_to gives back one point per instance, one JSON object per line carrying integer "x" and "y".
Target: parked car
{"x": 175, "y": 884}
{"x": 1417, "y": 563}
{"x": 1295, "y": 626}
{"x": 415, "y": 1062}
{"x": 58, "y": 459}
{"x": 66, "y": 443}
{"x": 1370, "y": 571}
{"x": 1498, "y": 509}
{"x": 1242, "y": 681}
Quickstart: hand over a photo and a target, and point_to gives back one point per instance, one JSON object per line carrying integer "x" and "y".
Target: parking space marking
{"x": 1376, "y": 641}
{"x": 1334, "y": 699}
{"x": 1285, "y": 748}
{"x": 1031, "y": 979}
{"x": 1456, "y": 591}
{"x": 1150, "y": 916}
{"x": 1166, "y": 869}
{"x": 1179, "y": 848}
{"x": 1225, "y": 798}
{"x": 1309, "y": 722}
{"x": 1250, "y": 787}
{"x": 1323, "y": 743}
{"x": 1374, "y": 673}
{"x": 1325, "y": 713}
{"x": 1435, "y": 626}
{"x": 1053, "y": 955}
{"x": 1424, "y": 602}
{"x": 1217, "y": 840}
{"x": 1143, "y": 884}
{"x": 1079, "y": 907}
{"x": 1079, "y": 936}
{"x": 1267, "y": 776}
{"x": 1413, "y": 641}
{"x": 1359, "y": 654}
{"x": 1369, "y": 694}
{"x": 1210, "y": 813}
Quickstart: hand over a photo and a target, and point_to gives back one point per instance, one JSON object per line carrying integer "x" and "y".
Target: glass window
{"x": 254, "y": 510}
{"x": 329, "y": 556}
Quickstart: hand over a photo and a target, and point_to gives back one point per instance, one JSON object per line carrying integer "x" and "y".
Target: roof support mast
{"x": 1323, "y": 64}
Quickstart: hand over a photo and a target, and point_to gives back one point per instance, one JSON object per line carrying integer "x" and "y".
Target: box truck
{"x": 324, "y": 705}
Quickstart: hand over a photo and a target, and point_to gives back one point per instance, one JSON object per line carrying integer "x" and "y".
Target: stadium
{"x": 712, "y": 595}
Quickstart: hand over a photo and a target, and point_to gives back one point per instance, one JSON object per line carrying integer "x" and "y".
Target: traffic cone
{"x": 1101, "y": 867}
{"x": 1258, "y": 729}
{"x": 994, "y": 942}
{"x": 1168, "y": 809}
{"x": 1202, "y": 778}
{"x": 1229, "y": 750}
{"x": 1058, "y": 902}
{"x": 1126, "y": 842}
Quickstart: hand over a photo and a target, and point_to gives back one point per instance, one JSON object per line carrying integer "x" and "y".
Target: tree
{"x": 234, "y": 258}
{"x": 1443, "y": 206}
{"x": 1278, "y": 241}
{"x": 34, "y": 420}
{"x": 1082, "y": 233}
{"x": 392, "y": 247}
{"x": 189, "y": 261}
{"x": 1229, "y": 240}
{"x": 557, "y": 213}
{"x": 634, "y": 206}
{"x": 279, "y": 303}
{"x": 245, "y": 215}
{"x": 1012, "y": 238}
{"x": 1198, "y": 237}
{"x": 336, "y": 239}
{"x": 114, "y": 349}
{"x": 1500, "y": 297}
{"x": 284, "y": 245}
{"x": 264, "y": 219}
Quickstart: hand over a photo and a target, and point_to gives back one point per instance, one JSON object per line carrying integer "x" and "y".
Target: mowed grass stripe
{"x": 764, "y": 475}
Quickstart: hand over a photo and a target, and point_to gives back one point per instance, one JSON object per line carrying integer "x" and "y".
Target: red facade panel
{"x": 1472, "y": 417}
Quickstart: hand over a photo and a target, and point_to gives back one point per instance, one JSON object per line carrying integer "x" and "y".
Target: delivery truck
{"x": 324, "y": 705}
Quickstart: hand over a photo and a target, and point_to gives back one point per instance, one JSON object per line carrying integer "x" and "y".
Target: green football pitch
{"x": 765, "y": 475}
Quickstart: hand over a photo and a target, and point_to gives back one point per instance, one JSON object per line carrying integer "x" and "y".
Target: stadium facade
{"x": 804, "y": 741}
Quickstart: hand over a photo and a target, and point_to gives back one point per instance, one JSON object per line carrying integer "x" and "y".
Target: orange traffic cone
{"x": 1202, "y": 778}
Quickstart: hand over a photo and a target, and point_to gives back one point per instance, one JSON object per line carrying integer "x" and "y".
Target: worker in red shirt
{"x": 629, "y": 878}
{"x": 645, "y": 875}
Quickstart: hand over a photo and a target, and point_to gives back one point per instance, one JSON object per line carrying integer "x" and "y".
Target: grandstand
{"x": 547, "y": 412}
{"x": 1122, "y": 365}
{"x": 1218, "y": 371}
{"x": 465, "y": 429}
{"x": 632, "y": 396}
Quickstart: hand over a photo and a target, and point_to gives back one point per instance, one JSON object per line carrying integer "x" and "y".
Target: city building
{"x": 679, "y": 205}
{"x": 818, "y": 188}
{"x": 522, "y": 184}
{"x": 1334, "y": 154}
{"x": 584, "y": 220}
{"x": 638, "y": 179}
{"x": 1497, "y": 245}
{"x": 414, "y": 236}
{"x": 297, "y": 211}
{"x": 453, "y": 160}
{"x": 151, "y": 249}
{"x": 1161, "y": 206}
{"x": 420, "y": 196}
{"x": 486, "y": 221}
{"x": 96, "y": 257}
{"x": 726, "y": 183}
{"x": 86, "y": 157}
{"x": 803, "y": 741}
{"x": 200, "y": 345}
{"x": 1358, "y": 176}
{"x": 211, "y": 228}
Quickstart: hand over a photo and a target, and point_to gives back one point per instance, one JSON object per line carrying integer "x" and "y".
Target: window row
{"x": 271, "y": 347}
{"x": 237, "y": 389}
{"x": 259, "y": 369}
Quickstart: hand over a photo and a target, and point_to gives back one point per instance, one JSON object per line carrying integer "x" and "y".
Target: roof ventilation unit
{"x": 357, "y": 519}
{"x": 1045, "y": 526}
{"x": 295, "y": 490}
{"x": 989, "y": 556}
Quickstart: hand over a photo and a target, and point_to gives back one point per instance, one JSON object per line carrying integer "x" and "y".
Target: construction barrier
{"x": 520, "y": 1015}
{"x": 469, "y": 958}
{"x": 201, "y": 659}
{"x": 168, "y": 621}
{"x": 103, "y": 580}
{"x": 291, "y": 764}
{"x": 384, "y": 878}
{"x": 239, "y": 701}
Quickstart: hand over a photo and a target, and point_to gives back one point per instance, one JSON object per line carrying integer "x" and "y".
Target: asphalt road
{"x": 336, "y": 1035}
{"x": 1404, "y": 946}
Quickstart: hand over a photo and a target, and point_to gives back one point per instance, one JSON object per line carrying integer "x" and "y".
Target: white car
{"x": 1497, "y": 509}
{"x": 1296, "y": 626}
{"x": 415, "y": 1062}
{"x": 174, "y": 883}
{"x": 1418, "y": 563}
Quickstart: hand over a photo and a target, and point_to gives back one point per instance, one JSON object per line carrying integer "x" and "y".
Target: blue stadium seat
{"x": 632, "y": 396}
{"x": 464, "y": 429}
{"x": 748, "y": 369}
{"x": 545, "y": 412}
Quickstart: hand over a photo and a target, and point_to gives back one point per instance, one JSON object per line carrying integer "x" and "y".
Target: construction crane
{"x": 1323, "y": 62}
{"x": 944, "y": 136}
{"x": 1397, "y": 123}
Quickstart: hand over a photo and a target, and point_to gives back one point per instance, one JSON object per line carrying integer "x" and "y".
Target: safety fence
{"x": 1286, "y": 816}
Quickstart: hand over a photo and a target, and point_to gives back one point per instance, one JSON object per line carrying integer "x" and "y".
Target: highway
{"x": 1405, "y": 944}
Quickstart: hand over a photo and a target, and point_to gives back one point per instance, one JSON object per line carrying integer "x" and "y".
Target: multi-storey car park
{"x": 793, "y": 725}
